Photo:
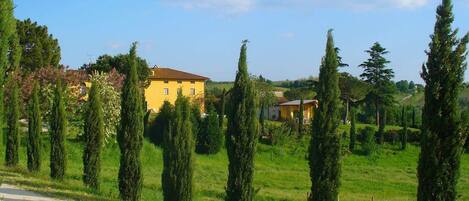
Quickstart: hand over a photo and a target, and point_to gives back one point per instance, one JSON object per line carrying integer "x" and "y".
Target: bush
{"x": 276, "y": 134}
{"x": 413, "y": 136}
{"x": 392, "y": 136}
{"x": 368, "y": 143}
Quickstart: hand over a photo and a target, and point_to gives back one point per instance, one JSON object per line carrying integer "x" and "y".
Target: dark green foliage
{"x": 413, "y": 118}
{"x": 58, "y": 131}
{"x": 368, "y": 143}
{"x": 299, "y": 93}
{"x": 160, "y": 124}
{"x": 106, "y": 63}
{"x": 352, "y": 90}
{"x": 378, "y": 76}
{"x": 34, "y": 131}
{"x": 94, "y": 137}
{"x": 221, "y": 114}
{"x": 209, "y": 139}
{"x": 13, "y": 115}
{"x": 353, "y": 132}
{"x": 241, "y": 134}
{"x": 301, "y": 119}
{"x": 130, "y": 133}
{"x": 178, "y": 148}
{"x": 442, "y": 132}
{"x": 196, "y": 119}
{"x": 404, "y": 137}
{"x": 381, "y": 127}
{"x": 39, "y": 48}
{"x": 324, "y": 154}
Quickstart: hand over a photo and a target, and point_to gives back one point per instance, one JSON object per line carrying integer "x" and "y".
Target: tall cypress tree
{"x": 324, "y": 156}
{"x": 130, "y": 134}
{"x": 221, "y": 115}
{"x": 242, "y": 130}
{"x": 94, "y": 134}
{"x": 178, "y": 151}
{"x": 7, "y": 30}
{"x": 58, "y": 129}
{"x": 12, "y": 145}
{"x": 34, "y": 131}
{"x": 301, "y": 118}
{"x": 353, "y": 132}
{"x": 442, "y": 137}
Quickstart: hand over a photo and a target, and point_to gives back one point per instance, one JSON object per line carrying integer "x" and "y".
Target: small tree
{"x": 209, "y": 139}
{"x": 130, "y": 133}
{"x": 58, "y": 127}
{"x": 221, "y": 115}
{"x": 94, "y": 135}
{"x": 196, "y": 119}
{"x": 301, "y": 119}
{"x": 34, "y": 131}
{"x": 368, "y": 143}
{"x": 160, "y": 124}
{"x": 13, "y": 116}
{"x": 178, "y": 148}
{"x": 353, "y": 132}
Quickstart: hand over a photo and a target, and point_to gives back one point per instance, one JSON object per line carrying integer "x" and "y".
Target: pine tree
{"x": 12, "y": 145}
{"x": 130, "y": 134}
{"x": 209, "y": 139}
{"x": 34, "y": 131}
{"x": 221, "y": 115}
{"x": 324, "y": 155}
{"x": 442, "y": 137}
{"x": 353, "y": 132}
{"x": 242, "y": 132}
{"x": 178, "y": 148}
{"x": 58, "y": 129}
{"x": 94, "y": 137}
{"x": 301, "y": 119}
{"x": 378, "y": 75}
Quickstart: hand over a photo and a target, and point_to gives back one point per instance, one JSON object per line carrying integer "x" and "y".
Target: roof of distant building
{"x": 172, "y": 74}
{"x": 297, "y": 102}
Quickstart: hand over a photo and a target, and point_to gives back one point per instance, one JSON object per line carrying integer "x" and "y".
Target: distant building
{"x": 289, "y": 110}
{"x": 165, "y": 84}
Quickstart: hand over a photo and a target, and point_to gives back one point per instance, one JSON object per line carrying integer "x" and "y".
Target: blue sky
{"x": 203, "y": 36}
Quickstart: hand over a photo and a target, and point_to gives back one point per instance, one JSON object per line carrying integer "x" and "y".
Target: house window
{"x": 179, "y": 81}
{"x": 192, "y": 82}
{"x": 166, "y": 91}
{"x": 192, "y": 91}
{"x": 166, "y": 81}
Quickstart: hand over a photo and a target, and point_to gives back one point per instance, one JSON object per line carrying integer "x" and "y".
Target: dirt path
{"x": 14, "y": 193}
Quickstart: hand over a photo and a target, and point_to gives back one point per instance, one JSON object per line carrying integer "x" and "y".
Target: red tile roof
{"x": 172, "y": 74}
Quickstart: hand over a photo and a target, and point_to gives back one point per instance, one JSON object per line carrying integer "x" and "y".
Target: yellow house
{"x": 289, "y": 110}
{"x": 165, "y": 84}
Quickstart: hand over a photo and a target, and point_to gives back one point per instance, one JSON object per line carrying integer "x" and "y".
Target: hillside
{"x": 282, "y": 173}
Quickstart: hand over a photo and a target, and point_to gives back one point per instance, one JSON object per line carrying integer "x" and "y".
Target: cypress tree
{"x": 12, "y": 145}
{"x": 242, "y": 130}
{"x": 301, "y": 119}
{"x": 160, "y": 124}
{"x": 196, "y": 119}
{"x": 221, "y": 115}
{"x": 34, "y": 131}
{"x": 178, "y": 150}
{"x": 209, "y": 140}
{"x": 94, "y": 135}
{"x": 413, "y": 117}
{"x": 353, "y": 132}
{"x": 404, "y": 130}
{"x": 130, "y": 134}
{"x": 442, "y": 137}
{"x": 324, "y": 155}
{"x": 58, "y": 129}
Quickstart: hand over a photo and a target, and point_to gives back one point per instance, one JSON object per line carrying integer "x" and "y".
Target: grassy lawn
{"x": 282, "y": 173}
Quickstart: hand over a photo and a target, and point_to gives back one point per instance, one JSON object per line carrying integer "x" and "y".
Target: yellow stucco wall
{"x": 155, "y": 96}
{"x": 288, "y": 112}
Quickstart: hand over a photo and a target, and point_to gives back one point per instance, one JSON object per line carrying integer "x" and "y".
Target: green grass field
{"x": 282, "y": 173}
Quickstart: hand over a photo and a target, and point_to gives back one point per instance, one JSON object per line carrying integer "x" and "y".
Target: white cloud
{"x": 242, "y": 6}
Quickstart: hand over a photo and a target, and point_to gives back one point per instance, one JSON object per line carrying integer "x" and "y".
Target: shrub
{"x": 368, "y": 143}
{"x": 158, "y": 125}
{"x": 209, "y": 138}
{"x": 392, "y": 136}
